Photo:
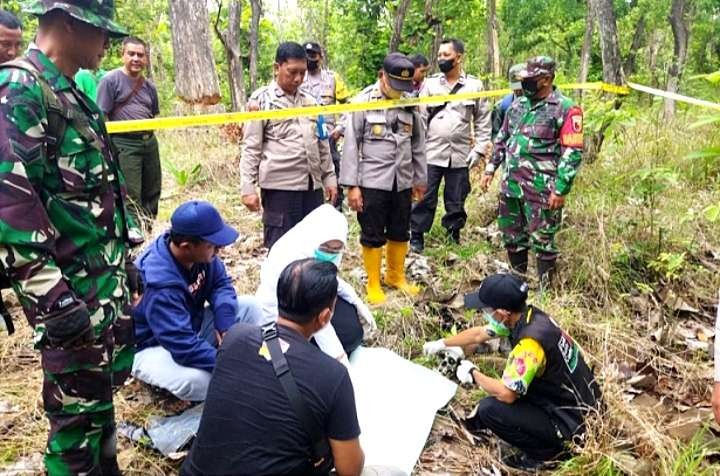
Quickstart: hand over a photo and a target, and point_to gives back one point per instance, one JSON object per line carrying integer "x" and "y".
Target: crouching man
{"x": 277, "y": 404}
{"x": 176, "y": 334}
{"x": 547, "y": 388}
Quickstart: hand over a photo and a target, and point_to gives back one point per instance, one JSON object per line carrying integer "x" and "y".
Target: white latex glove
{"x": 473, "y": 159}
{"x": 433, "y": 347}
{"x": 365, "y": 314}
{"x": 464, "y": 372}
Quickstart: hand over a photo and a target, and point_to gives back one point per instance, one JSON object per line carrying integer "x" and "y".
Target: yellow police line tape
{"x": 277, "y": 114}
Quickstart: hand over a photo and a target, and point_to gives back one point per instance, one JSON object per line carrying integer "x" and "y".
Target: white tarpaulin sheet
{"x": 396, "y": 404}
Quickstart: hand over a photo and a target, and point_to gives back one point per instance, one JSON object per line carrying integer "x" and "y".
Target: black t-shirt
{"x": 248, "y": 426}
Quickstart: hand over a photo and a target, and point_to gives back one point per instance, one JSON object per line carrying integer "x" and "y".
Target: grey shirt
{"x": 461, "y": 128}
{"x": 383, "y": 148}
{"x": 116, "y": 86}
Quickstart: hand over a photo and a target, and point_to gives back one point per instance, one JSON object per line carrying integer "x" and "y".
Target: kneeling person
{"x": 176, "y": 334}
{"x": 546, "y": 389}
{"x": 249, "y": 424}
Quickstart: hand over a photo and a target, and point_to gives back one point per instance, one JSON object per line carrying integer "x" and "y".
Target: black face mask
{"x": 446, "y": 65}
{"x": 529, "y": 87}
{"x": 313, "y": 64}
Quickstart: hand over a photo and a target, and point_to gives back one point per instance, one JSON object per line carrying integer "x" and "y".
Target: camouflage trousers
{"x": 525, "y": 224}
{"x": 78, "y": 399}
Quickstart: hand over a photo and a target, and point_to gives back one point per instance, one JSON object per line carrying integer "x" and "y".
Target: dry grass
{"x": 612, "y": 236}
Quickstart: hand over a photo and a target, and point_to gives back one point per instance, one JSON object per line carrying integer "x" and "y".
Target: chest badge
{"x": 377, "y": 130}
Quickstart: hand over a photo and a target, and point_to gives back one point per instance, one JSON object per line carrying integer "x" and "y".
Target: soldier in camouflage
{"x": 540, "y": 147}
{"x": 64, "y": 231}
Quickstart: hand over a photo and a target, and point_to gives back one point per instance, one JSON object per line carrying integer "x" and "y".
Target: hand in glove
{"x": 465, "y": 372}
{"x": 365, "y": 314}
{"x": 473, "y": 159}
{"x": 433, "y": 347}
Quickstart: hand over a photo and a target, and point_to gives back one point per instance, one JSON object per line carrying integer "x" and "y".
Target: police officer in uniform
{"x": 288, "y": 159}
{"x": 65, "y": 231}
{"x": 383, "y": 165}
{"x": 546, "y": 390}
{"x": 458, "y": 136}
{"x": 540, "y": 148}
{"x": 328, "y": 88}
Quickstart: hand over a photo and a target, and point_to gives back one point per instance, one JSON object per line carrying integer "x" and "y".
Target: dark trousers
{"x": 283, "y": 209}
{"x": 336, "y": 157}
{"x": 521, "y": 424}
{"x": 385, "y": 216}
{"x": 139, "y": 158}
{"x": 347, "y": 325}
{"x": 457, "y": 188}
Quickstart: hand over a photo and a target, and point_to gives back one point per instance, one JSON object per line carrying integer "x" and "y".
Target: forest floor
{"x": 637, "y": 289}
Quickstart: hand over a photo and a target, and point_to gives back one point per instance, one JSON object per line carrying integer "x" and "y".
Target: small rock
{"x": 643, "y": 381}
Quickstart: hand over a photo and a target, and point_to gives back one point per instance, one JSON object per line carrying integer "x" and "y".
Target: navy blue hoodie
{"x": 170, "y": 312}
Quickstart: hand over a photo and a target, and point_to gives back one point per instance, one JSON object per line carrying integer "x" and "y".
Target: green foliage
{"x": 184, "y": 176}
{"x": 670, "y": 265}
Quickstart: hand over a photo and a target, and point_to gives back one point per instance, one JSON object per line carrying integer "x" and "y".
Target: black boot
{"x": 546, "y": 272}
{"x": 519, "y": 261}
{"x": 454, "y": 236}
{"x": 417, "y": 242}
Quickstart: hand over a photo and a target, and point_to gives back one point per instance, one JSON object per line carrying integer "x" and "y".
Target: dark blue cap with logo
{"x": 499, "y": 291}
{"x": 202, "y": 220}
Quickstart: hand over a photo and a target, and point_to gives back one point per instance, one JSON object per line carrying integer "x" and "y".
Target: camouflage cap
{"x": 514, "y": 75}
{"x": 537, "y": 66}
{"x": 98, "y": 13}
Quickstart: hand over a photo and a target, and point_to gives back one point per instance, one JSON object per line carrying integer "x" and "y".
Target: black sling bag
{"x": 433, "y": 111}
{"x": 321, "y": 456}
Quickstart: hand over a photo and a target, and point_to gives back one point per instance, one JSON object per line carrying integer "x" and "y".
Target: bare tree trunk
{"x": 230, "y": 39}
{"x": 398, "y": 21}
{"x": 196, "y": 80}
{"x": 493, "y": 43}
{"x": 656, "y": 41}
{"x": 256, "y": 13}
{"x": 612, "y": 68}
{"x": 586, "y": 51}
{"x": 435, "y": 25}
{"x": 681, "y": 31}
{"x": 637, "y": 40}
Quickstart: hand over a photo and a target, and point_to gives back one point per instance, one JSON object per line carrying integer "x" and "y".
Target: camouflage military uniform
{"x": 64, "y": 233}
{"x": 540, "y": 148}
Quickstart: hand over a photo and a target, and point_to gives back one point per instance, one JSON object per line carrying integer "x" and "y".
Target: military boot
{"x": 454, "y": 235}
{"x": 518, "y": 261}
{"x": 417, "y": 242}
{"x": 546, "y": 273}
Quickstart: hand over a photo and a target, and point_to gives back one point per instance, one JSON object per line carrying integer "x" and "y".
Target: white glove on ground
{"x": 464, "y": 372}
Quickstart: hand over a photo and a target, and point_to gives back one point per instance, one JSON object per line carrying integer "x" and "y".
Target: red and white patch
{"x": 571, "y": 133}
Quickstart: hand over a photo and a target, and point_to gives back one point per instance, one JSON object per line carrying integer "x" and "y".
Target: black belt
{"x": 136, "y": 135}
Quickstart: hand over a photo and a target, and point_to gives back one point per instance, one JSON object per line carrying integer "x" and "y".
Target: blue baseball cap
{"x": 202, "y": 220}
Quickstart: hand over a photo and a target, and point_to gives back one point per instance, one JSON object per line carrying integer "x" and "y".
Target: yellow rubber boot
{"x": 372, "y": 257}
{"x": 395, "y": 275}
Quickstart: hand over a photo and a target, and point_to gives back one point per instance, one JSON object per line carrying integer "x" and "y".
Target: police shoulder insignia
{"x": 571, "y": 133}
{"x": 407, "y": 128}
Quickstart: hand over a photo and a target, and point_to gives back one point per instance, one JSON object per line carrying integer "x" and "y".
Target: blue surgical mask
{"x": 333, "y": 258}
{"x": 495, "y": 327}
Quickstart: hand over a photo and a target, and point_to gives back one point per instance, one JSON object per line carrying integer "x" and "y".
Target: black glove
{"x": 69, "y": 327}
{"x": 134, "y": 278}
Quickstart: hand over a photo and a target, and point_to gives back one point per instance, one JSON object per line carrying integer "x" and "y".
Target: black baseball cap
{"x": 399, "y": 70}
{"x": 312, "y": 47}
{"x": 499, "y": 291}
{"x": 202, "y": 220}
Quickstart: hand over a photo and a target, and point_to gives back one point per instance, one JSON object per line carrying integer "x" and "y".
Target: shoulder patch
{"x": 571, "y": 133}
